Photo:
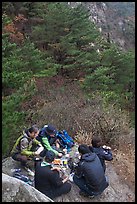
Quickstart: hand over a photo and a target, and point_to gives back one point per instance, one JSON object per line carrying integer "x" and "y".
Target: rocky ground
{"x": 119, "y": 190}
{"x": 121, "y": 174}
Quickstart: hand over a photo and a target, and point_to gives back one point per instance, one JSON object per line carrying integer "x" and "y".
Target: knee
{"x": 24, "y": 158}
{"x": 75, "y": 179}
{"x": 68, "y": 187}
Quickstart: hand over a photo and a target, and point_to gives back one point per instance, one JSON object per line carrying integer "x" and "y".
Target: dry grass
{"x": 64, "y": 105}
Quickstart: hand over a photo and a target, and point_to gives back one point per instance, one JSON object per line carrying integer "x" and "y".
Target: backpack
{"x": 65, "y": 140}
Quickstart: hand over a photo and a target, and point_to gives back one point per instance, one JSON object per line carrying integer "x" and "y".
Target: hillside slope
{"x": 61, "y": 102}
{"x": 116, "y": 20}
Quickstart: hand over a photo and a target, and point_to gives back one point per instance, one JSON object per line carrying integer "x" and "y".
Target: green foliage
{"x": 20, "y": 63}
{"x": 60, "y": 38}
{"x": 13, "y": 119}
{"x": 115, "y": 78}
{"x": 99, "y": 80}
{"x": 66, "y": 34}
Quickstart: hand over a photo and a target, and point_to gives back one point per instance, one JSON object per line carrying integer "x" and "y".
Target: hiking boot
{"x": 83, "y": 193}
{"x": 21, "y": 177}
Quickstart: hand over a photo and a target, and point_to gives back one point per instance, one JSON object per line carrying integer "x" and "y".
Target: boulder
{"x": 15, "y": 190}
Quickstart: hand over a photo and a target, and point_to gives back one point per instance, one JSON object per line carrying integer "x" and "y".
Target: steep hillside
{"x": 116, "y": 20}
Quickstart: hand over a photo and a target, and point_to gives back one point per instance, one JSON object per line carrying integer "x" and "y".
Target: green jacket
{"x": 47, "y": 145}
{"x": 24, "y": 144}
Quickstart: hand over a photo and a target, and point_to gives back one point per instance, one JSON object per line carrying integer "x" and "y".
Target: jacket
{"x": 46, "y": 141}
{"x": 90, "y": 168}
{"x": 46, "y": 180}
{"x": 24, "y": 145}
{"x": 103, "y": 154}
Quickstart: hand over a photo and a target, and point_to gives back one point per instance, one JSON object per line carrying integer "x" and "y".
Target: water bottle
{"x": 21, "y": 177}
{"x": 65, "y": 163}
{"x": 15, "y": 170}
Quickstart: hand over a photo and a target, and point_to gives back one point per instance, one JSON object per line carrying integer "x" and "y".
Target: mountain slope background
{"x": 59, "y": 68}
{"x": 116, "y": 21}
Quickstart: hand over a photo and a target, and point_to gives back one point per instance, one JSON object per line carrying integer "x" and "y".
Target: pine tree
{"x": 66, "y": 34}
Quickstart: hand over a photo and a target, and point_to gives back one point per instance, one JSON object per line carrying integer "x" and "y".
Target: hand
{"x": 56, "y": 168}
{"x": 65, "y": 151}
{"x": 65, "y": 179}
{"x": 36, "y": 153}
{"x": 106, "y": 147}
{"x": 57, "y": 145}
{"x": 59, "y": 154}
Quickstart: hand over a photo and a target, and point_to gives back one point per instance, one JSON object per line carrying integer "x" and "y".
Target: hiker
{"x": 103, "y": 152}
{"x": 47, "y": 137}
{"x": 89, "y": 174}
{"x": 47, "y": 178}
{"x": 27, "y": 147}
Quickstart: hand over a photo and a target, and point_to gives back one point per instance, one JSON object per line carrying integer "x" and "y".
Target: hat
{"x": 50, "y": 130}
{"x": 49, "y": 156}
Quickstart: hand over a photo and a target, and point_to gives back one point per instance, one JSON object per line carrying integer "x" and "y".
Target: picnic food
{"x": 57, "y": 161}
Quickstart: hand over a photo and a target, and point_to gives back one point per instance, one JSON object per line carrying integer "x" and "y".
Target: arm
{"x": 55, "y": 178}
{"x": 35, "y": 141}
{"x": 47, "y": 145}
{"x": 24, "y": 146}
{"x": 107, "y": 154}
{"x": 79, "y": 170}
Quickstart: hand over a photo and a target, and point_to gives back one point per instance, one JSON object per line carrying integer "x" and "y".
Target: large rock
{"x": 15, "y": 190}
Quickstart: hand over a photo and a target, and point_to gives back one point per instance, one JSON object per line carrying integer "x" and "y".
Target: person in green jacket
{"x": 27, "y": 147}
{"x": 47, "y": 137}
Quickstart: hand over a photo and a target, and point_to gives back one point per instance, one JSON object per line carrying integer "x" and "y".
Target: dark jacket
{"x": 46, "y": 180}
{"x": 91, "y": 169}
{"x": 103, "y": 154}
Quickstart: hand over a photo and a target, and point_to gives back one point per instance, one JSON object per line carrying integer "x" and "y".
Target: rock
{"x": 15, "y": 190}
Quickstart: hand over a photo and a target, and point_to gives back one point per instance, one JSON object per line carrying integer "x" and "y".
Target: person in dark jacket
{"x": 47, "y": 178}
{"x": 89, "y": 175}
{"x": 103, "y": 152}
{"x": 47, "y": 137}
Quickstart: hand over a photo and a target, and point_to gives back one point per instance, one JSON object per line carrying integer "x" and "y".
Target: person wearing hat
{"x": 47, "y": 137}
{"x": 47, "y": 178}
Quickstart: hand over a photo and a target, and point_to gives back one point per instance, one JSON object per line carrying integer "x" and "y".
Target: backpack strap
{"x": 16, "y": 147}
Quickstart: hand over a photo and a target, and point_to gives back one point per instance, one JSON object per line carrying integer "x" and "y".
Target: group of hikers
{"x": 42, "y": 147}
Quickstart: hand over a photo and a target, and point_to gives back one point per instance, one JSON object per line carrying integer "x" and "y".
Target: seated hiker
{"x": 47, "y": 178}
{"x": 103, "y": 152}
{"x": 47, "y": 137}
{"x": 89, "y": 174}
{"x": 27, "y": 147}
